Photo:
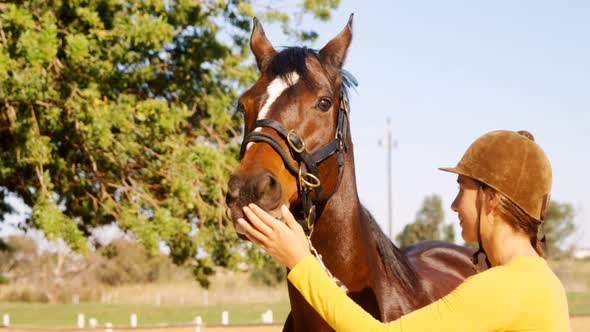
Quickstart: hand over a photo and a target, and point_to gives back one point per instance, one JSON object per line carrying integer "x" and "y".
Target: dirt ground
{"x": 578, "y": 324}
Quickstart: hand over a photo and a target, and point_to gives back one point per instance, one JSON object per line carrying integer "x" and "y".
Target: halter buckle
{"x": 293, "y": 145}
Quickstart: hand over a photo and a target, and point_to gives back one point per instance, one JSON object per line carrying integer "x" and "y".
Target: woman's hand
{"x": 286, "y": 242}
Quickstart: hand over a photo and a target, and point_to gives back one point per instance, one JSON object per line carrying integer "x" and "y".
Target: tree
{"x": 49, "y": 271}
{"x": 116, "y": 111}
{"x": 428, "y": 224}
{"x": 559, "y": 225}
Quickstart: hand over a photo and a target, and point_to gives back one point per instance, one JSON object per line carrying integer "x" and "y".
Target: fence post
{"x": 198, "y": 323}
{"x": 225, "y": 318}
{"x": 6, "y": 320}
{"x": 133, "y": 320}
{"x": 92, "y": 323}
{"x": 80, "y": 321}
{"x": 267, "y": 317}
{"x": 108, "y": 327}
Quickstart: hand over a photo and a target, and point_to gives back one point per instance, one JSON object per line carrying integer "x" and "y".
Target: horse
{"x": 297, "y": 150}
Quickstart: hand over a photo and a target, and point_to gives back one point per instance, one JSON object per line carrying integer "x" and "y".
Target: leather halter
{"x": 306, "y": 173}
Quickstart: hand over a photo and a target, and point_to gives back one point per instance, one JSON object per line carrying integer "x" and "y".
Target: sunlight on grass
{"x": 65, "y": 315}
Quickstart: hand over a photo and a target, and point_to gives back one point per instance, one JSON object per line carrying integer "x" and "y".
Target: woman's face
{"x": 465, "y": 204}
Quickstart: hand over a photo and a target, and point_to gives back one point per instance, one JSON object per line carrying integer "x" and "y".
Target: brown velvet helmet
{"x": 514, "y": 165}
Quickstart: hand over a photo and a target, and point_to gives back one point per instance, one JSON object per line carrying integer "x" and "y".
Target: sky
{"x": 446, "y": 72}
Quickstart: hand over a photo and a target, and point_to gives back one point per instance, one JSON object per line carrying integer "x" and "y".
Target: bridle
{"x": 306, "y": 172}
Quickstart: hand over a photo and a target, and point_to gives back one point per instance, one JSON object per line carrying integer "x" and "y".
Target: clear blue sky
{"x": 446, "y": 72}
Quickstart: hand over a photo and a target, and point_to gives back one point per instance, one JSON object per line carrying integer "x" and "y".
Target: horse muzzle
{"x": 262, "y": 189}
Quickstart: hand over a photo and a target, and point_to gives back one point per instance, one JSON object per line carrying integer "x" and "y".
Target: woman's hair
{"x": 519, "y": 220}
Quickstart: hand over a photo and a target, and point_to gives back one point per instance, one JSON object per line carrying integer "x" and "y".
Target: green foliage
{"x": 265, "y": 270}
{"x": 428, "y": 224}
{"x": 270, "y": 274}
{"x": 48, "y": 218}
{"x": 5, "y": 208}
{"x": 448, "y": 233}
{"x": 129, "y": 262}
{"x": 559, "y": 225}
{"x": 116, "y": 111}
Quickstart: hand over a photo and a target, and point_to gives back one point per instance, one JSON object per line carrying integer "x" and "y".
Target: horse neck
{"x": 355, "y": 249}
{"x": 340, "y": 232}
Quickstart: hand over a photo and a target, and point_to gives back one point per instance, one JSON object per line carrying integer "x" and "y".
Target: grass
{"x": 65, "y": 315}
{"x": 579, "y": 303}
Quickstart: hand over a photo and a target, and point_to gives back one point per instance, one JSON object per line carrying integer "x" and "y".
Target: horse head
{"x": 295, "y": 128}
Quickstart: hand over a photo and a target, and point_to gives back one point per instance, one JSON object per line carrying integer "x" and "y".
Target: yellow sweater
{"x": 523, "y": 295}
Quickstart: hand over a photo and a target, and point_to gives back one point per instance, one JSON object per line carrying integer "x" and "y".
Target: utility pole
{"x": 389, "y": 146}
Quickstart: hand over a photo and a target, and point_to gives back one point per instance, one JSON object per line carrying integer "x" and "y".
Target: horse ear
{"x": 336, "y": 49}
{"x": 261, "y": 46}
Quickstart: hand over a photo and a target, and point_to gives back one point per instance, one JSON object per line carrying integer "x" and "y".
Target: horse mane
{"x": 394, "y": 261}
{"x": 292, "y": 59}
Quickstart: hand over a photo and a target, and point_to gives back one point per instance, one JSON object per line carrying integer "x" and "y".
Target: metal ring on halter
{"x": 308, "y": 179}
{"x": 293, "y": 146}
{"x": 228, "y": 214}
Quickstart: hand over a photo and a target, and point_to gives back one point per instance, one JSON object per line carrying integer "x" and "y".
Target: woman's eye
{"x": 324, "y": 104}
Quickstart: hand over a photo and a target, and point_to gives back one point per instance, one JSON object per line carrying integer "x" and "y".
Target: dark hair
{"x": 520, "y": 220}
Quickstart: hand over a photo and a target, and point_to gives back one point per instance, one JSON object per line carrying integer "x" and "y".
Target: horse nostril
{"x": 265, "y": 183}
{"x": 268, "y": 190}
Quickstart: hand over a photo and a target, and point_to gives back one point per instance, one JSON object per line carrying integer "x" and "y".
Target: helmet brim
{"x": 455, "y": 170}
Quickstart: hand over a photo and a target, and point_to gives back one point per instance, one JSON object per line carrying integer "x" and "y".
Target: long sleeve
{"x": 498, "y": 299}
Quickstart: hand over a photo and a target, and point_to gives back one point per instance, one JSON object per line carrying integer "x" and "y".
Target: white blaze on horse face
{"x": 274, "y": 90}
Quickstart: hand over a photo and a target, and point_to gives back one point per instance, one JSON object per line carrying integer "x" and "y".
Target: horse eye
{"x": 324, "y": 104}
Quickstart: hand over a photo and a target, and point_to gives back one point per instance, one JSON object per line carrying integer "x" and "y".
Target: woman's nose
{"x": 454, "y": 205}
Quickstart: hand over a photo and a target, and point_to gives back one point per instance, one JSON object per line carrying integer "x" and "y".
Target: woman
{"x": 504, "y": 184}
